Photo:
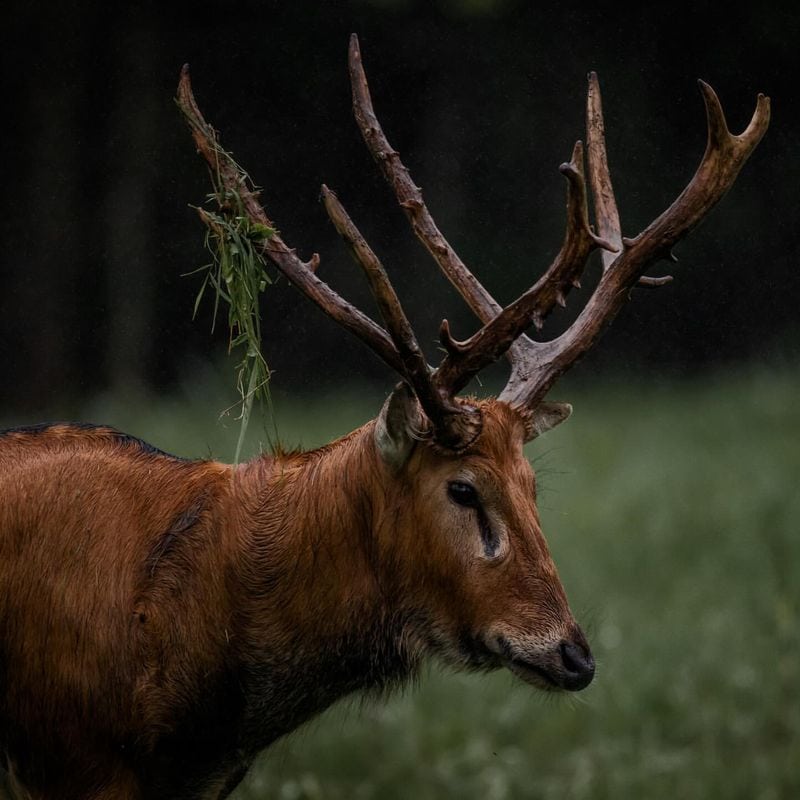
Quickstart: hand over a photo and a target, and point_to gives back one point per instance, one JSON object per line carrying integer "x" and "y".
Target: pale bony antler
{"x": 534, "y": 365}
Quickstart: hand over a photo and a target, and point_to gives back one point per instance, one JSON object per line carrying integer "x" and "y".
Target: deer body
{"x": 190, "y": 613}
{"x": 161, "y": 620}
{"x": 187, "y": 613}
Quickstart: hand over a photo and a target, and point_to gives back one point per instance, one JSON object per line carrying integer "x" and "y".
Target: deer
{"x": 164, "y": 620}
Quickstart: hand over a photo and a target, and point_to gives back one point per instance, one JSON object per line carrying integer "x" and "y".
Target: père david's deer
{"x": 163, "y": 620}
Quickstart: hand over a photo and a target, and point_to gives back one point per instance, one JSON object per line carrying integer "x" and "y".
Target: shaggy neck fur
{"x": 321, "y": 619}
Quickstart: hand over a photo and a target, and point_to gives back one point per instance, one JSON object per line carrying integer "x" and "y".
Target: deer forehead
{"x": 499, "y": 446}
{"x": 495, "y": 462}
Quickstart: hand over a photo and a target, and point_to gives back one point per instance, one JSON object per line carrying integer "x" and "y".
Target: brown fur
{"x": 162, "y": 621}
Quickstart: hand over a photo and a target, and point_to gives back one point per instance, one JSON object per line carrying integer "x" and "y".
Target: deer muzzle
{"x": 564, "y": 664}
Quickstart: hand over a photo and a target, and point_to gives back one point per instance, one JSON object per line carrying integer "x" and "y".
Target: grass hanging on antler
{"x": 237, "y": 275}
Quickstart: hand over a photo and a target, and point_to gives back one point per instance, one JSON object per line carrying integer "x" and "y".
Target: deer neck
{"x": 312, "y": 562}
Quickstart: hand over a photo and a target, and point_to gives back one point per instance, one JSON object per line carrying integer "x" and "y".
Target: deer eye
{"x": 463, "y": 494}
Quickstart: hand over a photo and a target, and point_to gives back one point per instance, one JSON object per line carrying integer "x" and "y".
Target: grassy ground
{"x": 672, "y": 511}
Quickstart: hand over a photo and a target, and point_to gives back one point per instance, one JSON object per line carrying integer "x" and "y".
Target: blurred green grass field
{"x": 672, "y": 509}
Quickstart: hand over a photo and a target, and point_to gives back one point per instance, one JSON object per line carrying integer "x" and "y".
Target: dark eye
{"x": 463, "y": 494}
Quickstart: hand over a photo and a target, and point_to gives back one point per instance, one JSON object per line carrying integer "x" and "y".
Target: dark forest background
{"x": 483, "y": 98}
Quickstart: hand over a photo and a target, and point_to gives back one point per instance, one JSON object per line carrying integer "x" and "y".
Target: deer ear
{"x": 544, "y": 417}
{"x": 398, "y": 427}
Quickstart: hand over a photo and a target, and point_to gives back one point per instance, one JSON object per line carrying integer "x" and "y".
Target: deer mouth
{"x": 566, "y": 666}
{"x": 533, "y": 674}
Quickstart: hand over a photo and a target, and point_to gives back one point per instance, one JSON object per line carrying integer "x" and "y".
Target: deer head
{"x": 464, "y": 537}
{"x": 458, "y": 462}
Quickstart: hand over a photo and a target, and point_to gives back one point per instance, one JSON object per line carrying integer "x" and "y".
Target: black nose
{"x": 578, "y": 664}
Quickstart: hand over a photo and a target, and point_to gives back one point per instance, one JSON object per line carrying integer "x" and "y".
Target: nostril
{"x": 571, "y": 656}
{"x": 577, "y": 660}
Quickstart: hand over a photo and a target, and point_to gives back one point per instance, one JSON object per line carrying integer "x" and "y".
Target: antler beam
{"x": 454, "y": 424}
{"x": 409, "y": 196}
{"x": 300, "y": 273}
{"x": 446, "y": 416}
{"x": 534, "y": 365}
{"x": 724, "y": 157}
{"x": 531, "y": 308}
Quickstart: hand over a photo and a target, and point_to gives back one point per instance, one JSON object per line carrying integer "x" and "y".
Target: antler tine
{"x": 532, "y": 307}
{"x": 464, "y": 358}
{"x": 409, "y": 196}
{"x": 452, "y": 423}
{"x": 299, "y": 273}
{"x": 724, "y": 157}
{"x": 397, "y": 324}
{"x": 605, "y": 204}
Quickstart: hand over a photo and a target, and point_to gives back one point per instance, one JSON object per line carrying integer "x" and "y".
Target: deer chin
{"x": 533, "y": 674}
{"x": 565, "y": 664}
{"x": 472, "y": 651}
{"x": 534, "y": 667}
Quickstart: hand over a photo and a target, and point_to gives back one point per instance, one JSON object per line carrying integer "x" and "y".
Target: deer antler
{"x": 534, "y": 365}
{"x": 542, "y": 363}
{"x": 300, "y": 273}
{"x": 455, "y": 424}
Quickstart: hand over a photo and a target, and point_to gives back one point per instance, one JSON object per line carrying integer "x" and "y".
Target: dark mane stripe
{"x": 105, "y": 432}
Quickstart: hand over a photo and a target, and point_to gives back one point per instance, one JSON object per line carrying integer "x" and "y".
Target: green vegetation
{"x": 672, "y": 510}
{"x": 238, "y": 275}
